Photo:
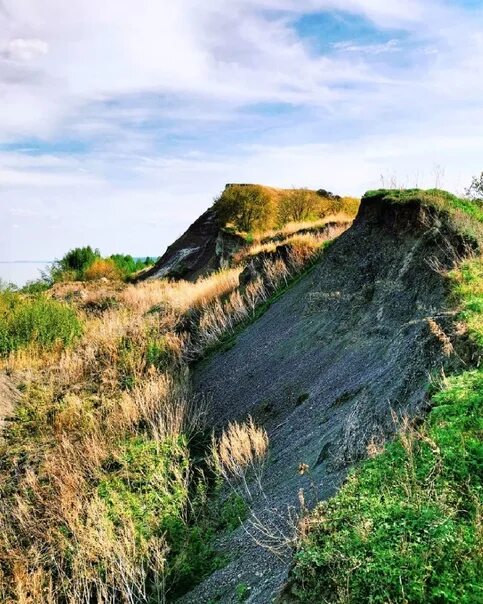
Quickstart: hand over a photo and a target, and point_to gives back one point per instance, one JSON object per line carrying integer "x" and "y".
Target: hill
{"x": 332, "y": 370}
{"x": 244, "y": 214}
{"x": 173, "y": 440}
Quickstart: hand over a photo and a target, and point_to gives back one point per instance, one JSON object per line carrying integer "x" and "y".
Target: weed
{"x": 242, "y": 592}
{"x": 35, "y": 321}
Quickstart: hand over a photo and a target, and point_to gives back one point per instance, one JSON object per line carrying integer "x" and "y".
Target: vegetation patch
{"x": 466, "y": 214}
{"x": 35, "y": 321}
{"x": 256, "y": 208}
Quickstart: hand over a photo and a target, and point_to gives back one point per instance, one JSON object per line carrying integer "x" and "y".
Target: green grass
{"x": 467, "y": 285}
{"x": 406, "y": 526}
{"x": 157, "y": 488}
{"x": 35, "y": 320}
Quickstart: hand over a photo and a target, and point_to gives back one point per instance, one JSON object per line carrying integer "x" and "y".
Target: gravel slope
{"x": 326, "y": 370}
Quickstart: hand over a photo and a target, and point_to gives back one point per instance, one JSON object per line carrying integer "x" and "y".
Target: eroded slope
{"x": 329, "y": 368}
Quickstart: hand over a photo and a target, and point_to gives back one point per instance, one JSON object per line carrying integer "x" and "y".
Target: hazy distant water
{"x": 21, "y": 272}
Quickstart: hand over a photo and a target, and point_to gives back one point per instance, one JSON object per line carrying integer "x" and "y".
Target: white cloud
{"x": 20, "y": 49}
{"x": 165, "y": 98}
{"x": 373, "y": 49}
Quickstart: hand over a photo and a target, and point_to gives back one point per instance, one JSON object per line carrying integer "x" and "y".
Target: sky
{"x": 120, "y": 121}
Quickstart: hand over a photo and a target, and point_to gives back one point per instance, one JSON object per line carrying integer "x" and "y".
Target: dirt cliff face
{"x": 330, "y": 368}
{"x": 203, "y": 248}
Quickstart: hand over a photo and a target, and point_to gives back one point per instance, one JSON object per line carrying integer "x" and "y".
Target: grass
{"x": 29, "y": 321}
{"x": 467, "y": 286}
{"x": 407, "y": 526}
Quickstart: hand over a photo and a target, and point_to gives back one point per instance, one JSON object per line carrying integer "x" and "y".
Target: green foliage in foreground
{"x": 35, "y": 320}
{"x": 406, "y": 526}
{"x": 151, "y": 487}
{"x": 467, "y": 284}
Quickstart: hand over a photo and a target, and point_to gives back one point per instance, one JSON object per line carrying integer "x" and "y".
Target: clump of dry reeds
{"x": 239, "y": 453}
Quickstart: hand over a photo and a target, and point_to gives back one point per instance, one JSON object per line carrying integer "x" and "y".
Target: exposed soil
{"x": 327, "y": 370}
{"x": 203, "y": 248}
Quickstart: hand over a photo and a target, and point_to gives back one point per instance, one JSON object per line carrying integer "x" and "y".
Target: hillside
{"x": 333, "y": 368}
{"x": 172, "y": 440}
{"x": 241, "y": 215}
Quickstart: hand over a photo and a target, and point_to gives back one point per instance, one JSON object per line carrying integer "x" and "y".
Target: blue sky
{"x": 121, "y": 120}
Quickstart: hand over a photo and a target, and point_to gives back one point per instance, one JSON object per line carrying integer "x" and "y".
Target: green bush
{"x": 128, "y": 265}
{"x": 77, "y": 263}
{"x": 35, "y": 320}
{"x": 73, "y": 265}
{"x": 247, "y": 207}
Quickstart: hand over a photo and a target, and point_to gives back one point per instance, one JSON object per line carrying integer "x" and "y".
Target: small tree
{"x": 247, "y": 207}
{"x": 475, "y": 190}
{"x": 74, "y": 264}
{"x": 297, "y": 205}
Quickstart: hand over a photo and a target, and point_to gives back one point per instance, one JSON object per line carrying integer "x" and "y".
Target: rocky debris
{"x": 330, "y": 368}
{"x": 205, "y": 247}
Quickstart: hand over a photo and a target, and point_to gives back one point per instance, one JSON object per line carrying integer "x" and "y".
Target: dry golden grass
{"x": 240, "y": 450}
{"x": 439, "y": 334}
{"x": 8, "y": 397}
{"x": 295, "y": 227}
{"x": 180, "y": 295}
{"x": 310, "y": 240}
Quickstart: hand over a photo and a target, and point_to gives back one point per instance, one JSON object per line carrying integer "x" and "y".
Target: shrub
{"x": 240, "y": 449}
{"x": 102, "y": 269}
{"x": 299, "y": 205}
{"x": 35, "y": 320}
{"x": 74, "y": 263}
{"x": 127, "y": 265}
{"x": 247, "y": 207}
{"x": 254, "y": 208}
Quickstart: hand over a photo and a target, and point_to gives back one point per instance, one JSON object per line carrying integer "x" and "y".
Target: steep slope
{"x": 204, "y": 247}
{"x": 329, "y": 369}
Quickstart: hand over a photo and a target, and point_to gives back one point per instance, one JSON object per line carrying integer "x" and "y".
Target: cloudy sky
{"x": 121, "y": 119}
